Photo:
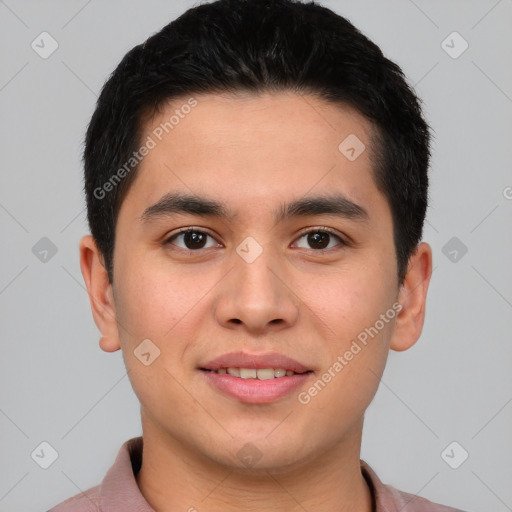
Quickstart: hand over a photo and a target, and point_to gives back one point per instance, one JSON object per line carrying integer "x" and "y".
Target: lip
{"x": 255, "y": 391}
{"x": 256, "y": 361}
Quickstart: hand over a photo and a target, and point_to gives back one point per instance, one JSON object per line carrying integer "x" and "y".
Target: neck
{"x": 173, "y": 477}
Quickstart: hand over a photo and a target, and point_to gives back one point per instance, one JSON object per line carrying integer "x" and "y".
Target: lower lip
{"x": 255, "y": 391}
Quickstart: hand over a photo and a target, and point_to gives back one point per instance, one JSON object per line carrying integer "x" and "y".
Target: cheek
{"x": 348, "y": 307}
{"x": 347, "y": 302}
{"x": 163, "y": 306}
{"x": 156, "y": 300}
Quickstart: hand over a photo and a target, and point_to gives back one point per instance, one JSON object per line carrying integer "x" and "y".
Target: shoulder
{"x": 389, "y": 499}
{"x": 415, "y": 503}
{"x": 118, "y": 489}
{"x": 87, "y": 501}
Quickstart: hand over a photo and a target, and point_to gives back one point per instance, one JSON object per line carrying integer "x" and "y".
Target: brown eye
{"x": 192, "y": 240}
{"x": 319, "y": 240}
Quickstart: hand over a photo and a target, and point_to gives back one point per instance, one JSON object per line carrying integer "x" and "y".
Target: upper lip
{"x": 257, "y": 361}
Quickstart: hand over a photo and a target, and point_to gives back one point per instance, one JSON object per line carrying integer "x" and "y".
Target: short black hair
{"x": 259, "y": 46}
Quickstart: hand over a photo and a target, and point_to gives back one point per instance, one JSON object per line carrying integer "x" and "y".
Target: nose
{"x": 257, "y": 297}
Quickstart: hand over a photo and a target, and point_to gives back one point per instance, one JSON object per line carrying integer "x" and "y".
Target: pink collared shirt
{"x": 119, "y": 491}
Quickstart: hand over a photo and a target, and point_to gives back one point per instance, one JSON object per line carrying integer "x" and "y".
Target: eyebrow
{"x": 179, "y": 203}
{"x": 337, "y": 205}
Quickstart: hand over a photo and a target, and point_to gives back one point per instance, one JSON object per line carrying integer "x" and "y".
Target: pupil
{"x": 194, "y": 240}
{"x": 318, "y": 240}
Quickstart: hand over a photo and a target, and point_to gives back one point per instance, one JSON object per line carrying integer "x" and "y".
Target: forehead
{"x": 255, "y": 147}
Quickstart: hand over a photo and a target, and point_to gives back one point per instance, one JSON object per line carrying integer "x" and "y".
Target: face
{"x": 250, "y": 240}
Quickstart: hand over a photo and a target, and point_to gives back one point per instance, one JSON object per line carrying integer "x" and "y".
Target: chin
{"x": 264, "y": 452}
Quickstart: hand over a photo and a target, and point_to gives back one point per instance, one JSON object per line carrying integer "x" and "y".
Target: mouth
{"x": 255, "y": 373}
{"x": 255, "y": 378}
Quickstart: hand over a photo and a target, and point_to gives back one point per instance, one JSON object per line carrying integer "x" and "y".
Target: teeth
{"x": 248, "y": 373}
{"x": 253, "y": 373}
{"x": 235, "y": 372}
{"x": 265, "y": 373}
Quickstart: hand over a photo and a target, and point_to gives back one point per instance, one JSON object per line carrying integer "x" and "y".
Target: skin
{"x": 254, "y": 152}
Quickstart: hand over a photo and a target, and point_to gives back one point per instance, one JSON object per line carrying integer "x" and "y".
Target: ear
{"x": 412, "y": 297}
{"x": 100, "y": 293}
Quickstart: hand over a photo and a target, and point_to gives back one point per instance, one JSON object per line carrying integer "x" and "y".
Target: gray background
{"x": 455, "y": 384}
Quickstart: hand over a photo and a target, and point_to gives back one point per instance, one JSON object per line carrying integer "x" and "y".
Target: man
{"x": 256, "y": 182}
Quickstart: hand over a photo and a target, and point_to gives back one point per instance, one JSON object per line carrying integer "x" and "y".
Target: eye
{"x": 319, "y": 239}
{"x": 192, "y": 239}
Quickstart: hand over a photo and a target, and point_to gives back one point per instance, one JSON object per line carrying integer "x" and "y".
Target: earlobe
{"x": 100, "y": 293}
{"x": 412, "y": 297}
{"x": 109, "y": 344}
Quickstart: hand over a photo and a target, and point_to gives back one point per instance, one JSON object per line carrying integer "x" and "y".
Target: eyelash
{"x": 341, "y": 241}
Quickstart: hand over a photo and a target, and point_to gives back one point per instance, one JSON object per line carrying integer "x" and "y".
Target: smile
{"x": 255, "y": 373}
